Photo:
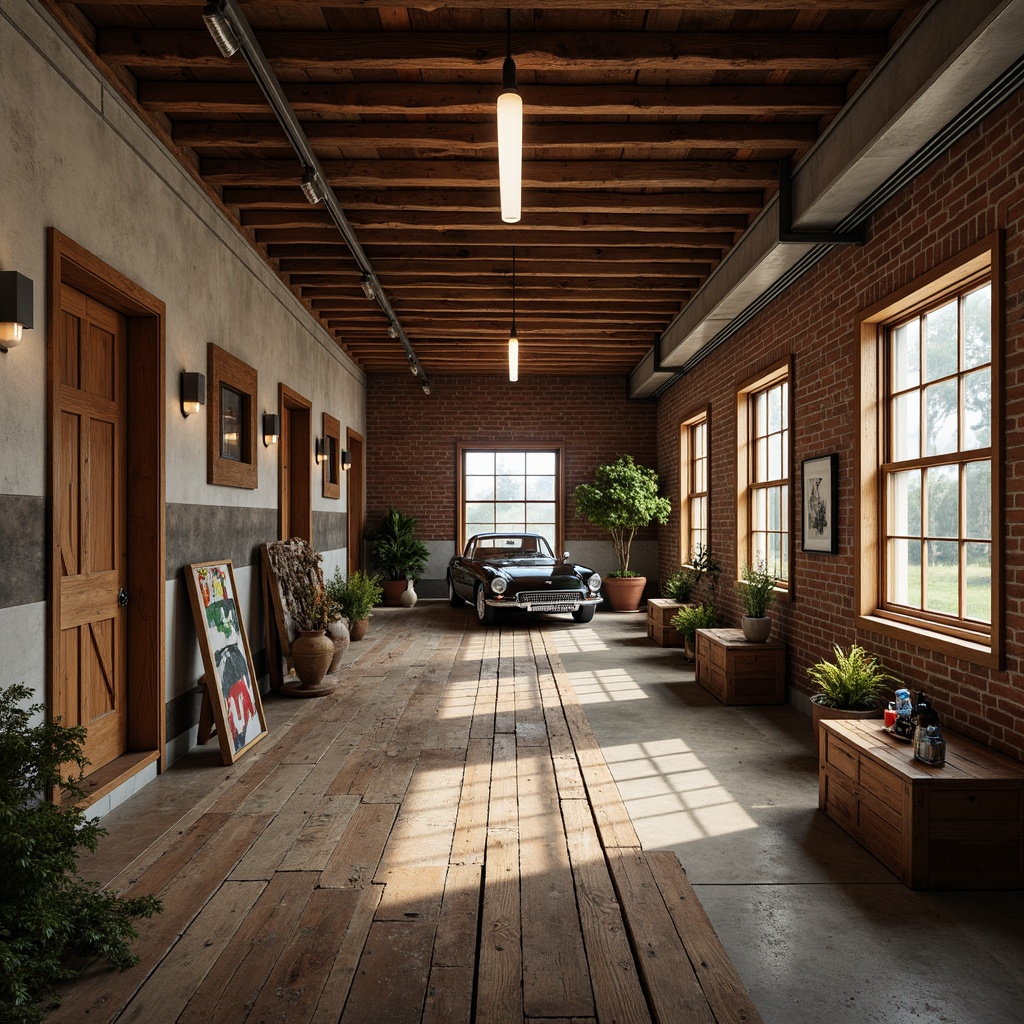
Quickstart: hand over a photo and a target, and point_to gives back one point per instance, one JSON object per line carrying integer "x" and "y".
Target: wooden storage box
{"x": 951, "y": 826}
{"x": 660, "y": 612}
{"x": 736, "y": 671}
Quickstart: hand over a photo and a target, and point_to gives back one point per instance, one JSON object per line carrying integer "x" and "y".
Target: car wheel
{"x": 484, "y": 612}
{"x": 584, "y": 613}
{"x": 453, "y": 599}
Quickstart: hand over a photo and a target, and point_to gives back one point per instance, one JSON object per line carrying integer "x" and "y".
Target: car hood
{"x": 539, "y": 569}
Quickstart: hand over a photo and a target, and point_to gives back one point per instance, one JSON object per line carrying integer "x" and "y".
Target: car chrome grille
{"x": 549, "y": 600}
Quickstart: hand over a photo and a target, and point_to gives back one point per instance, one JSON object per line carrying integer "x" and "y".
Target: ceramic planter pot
{"x": 357, "y": 628}
{"x": 312, "y": 653}
{"x": 337, "y": 631}
{"x": 820, "y": 713}
{"x": 393, "y": 590}
{"x": 756, "y": 629}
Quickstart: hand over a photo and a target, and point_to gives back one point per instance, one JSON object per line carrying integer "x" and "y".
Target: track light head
{"x": 220, "y": 28}
{"x": 392, "y": 328}
{"x": 311, "y": 186}
{"x": 367, "y": 285}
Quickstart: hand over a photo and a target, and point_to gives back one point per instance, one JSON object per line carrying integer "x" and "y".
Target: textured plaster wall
{"x": 73, "y": 156}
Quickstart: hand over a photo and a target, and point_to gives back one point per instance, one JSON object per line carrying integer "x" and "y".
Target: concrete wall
{"x": 976, "y": 188}
{"x": 74, "y": 156}
{"x": 412, "y": 456}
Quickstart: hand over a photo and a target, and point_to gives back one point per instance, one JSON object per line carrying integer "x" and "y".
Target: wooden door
{"x": 90, "y": 679}
{"x": 295, "y": 465}
{"x": 356, "y": 501}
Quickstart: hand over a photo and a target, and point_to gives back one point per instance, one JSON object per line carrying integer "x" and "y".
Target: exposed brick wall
{"x": 411, "y": 438}
{"x": 973, "y": 190}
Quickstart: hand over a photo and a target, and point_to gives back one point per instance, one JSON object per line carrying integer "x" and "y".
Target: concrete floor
{"x": 818, "y": 929}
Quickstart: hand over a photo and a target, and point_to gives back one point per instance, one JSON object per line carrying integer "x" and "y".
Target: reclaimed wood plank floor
{"x": 439, "y": 842}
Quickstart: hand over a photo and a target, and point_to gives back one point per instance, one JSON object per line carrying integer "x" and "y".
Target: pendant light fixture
{"x": 510, "y": 135}
{"x": 513, "y": 338}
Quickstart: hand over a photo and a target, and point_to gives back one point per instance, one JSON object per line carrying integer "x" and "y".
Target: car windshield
{"x": 511, "y": 545}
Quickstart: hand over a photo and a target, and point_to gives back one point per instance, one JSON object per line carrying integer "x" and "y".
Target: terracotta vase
{"x": 409, "y": 596}
{"x": 357, "y": 628}
{"x": 338, "y": 633}
{"x": 820, "y": 713}
{"x": 624, "y": 593}
{"x": 393, "y": 590}
{"x": 312, "y": 652}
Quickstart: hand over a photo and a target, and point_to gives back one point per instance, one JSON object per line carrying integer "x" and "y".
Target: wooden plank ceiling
{"x": 652, "y": 135}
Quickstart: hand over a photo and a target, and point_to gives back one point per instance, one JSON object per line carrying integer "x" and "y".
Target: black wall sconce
{"x": 271, "y": 428}
{"x": 320, "y": 451}
{"x": 15, "y": 308}
{"x": 346, "y": 460}
{"x": 193, "y": 392}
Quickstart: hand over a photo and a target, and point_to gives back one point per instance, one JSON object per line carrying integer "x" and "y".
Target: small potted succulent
{"x": 757, "y": 591}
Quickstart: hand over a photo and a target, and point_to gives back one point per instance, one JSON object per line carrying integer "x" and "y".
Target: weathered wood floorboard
{"x": 439, "y": 841}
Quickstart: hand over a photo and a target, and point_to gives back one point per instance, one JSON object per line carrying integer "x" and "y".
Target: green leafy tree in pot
{"x": 622, "y": 499}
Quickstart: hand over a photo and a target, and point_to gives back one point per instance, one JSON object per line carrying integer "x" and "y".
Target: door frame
{"x": 69, "y": 263}
{"x": 296, "y": 440}
{"x": 355, "y": 501}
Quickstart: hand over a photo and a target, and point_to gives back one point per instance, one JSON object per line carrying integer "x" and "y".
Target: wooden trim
{"x": 331, "y": 468}
{"x": 228, "y": 370}
{"x": 71, "y": 264}
{"x": 686, "y": 478}
{"x": 295, "y": 461}
{"x": 355, "y": 501}
{"x": 981, "y": 261}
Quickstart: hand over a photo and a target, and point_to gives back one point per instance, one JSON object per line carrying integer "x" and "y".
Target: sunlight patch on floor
{"x": 671, "y": 796}
{"x": 605, "y": 686}
{"x": 578, "y": 640}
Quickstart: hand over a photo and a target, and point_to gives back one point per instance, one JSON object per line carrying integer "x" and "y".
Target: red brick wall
{"x": 411, "y": 438}
{"x": 973, "y": 190}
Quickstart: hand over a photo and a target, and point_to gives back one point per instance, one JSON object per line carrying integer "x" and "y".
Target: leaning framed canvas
{"x": 231, "y": 686}
{"x": 820, "y": 479}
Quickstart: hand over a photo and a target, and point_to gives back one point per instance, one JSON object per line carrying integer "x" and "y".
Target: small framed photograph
{"x": 820, "y": 500}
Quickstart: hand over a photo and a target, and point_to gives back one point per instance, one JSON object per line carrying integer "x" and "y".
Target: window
{"x": 511, "y": 489}
{"x": 763, "y": 445}
{"x": 933, "y": 477}
{"x": 693, "y": 474}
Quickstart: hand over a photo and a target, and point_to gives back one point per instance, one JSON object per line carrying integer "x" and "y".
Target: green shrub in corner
{"x": 48, "y": 914}
{"x": 356, "y": 595}
{"x": 697, "y": 616}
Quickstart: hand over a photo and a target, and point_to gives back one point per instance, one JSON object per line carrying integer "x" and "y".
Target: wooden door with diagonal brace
{"x": 90, "y": 677}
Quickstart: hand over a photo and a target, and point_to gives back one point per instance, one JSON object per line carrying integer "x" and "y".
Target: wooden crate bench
{"x": 951, "y": 826}
{"x": 737, "y": 671}
{"x": 660, "y": 612}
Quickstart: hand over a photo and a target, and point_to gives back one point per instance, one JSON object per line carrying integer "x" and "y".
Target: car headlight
{"x": 594, "y": 583}
{"x": 498, "y": 585}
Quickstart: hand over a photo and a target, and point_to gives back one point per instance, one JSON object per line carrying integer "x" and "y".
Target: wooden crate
{"x": 954, "y": 826}
{"x": 736, "y": 671}
{"x": 660, "y": 612}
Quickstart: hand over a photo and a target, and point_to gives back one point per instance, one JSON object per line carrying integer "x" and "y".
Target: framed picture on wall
{"x": 232, "y": 693}
{"x": 820, "y": 504}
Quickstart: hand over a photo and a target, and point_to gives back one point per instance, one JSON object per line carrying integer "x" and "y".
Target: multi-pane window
{"x": 937, "y": 471}
{"x": 694, "y": 475}
{"x": 510, "y": 490}
{"x": 768, "y": 485}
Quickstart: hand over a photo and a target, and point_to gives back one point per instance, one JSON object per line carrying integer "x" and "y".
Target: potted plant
{"x": 691, "y": 618}
{"x": 622, "y": 499}
{"x": 312, "y": 610}
{"x": 400, "y": 558}
{"x": 355, "y": 597}
{"x": 848, "y": 687}
{"x": 757, "y": 593}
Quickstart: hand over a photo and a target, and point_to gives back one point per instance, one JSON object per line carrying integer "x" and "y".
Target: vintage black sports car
{"x": 518, "y": 570}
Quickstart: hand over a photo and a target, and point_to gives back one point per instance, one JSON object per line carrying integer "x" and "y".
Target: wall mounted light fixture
{"x": 193, "y": 392}
{"x": 271, "y": 428}
{"x": 513, "y": 337}
{"x": 15, "y": 308}
{"x": 346, "y": 460}
{"x": 320, "y": 451}
{"x": 510, "y": 136}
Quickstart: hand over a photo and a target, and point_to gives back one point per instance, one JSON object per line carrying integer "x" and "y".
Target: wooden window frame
{"x": 460, "y": 494}
{"x": 332, "y": 462}
{"x": 225, "y": 369}
{"x": 978, "y": 263}
{"x": 686, "y": 491}
{"x": 779, "y": 371}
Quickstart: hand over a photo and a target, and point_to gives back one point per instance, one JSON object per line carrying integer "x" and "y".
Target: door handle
{"x": 122, "y": 598}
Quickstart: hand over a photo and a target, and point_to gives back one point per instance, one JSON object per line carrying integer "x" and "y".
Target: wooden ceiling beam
{"x": 351, "y": 99}
{"x": 432, "y": 257}
{"x": 388, "y": 270}
{"x": 484, "y": 241}
{"x": 564, "y": 289}
{"x": 345, "y": 52}
{"x": 568, "y": 174}
{"x": 474, "y": 136}
{"x": 694, "y": 6}
{"x": 437, "y": 222}
{"x": 448, "y": 202}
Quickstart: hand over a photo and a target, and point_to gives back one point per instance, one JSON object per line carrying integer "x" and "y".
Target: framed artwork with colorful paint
{"x": 232, "y": 691}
